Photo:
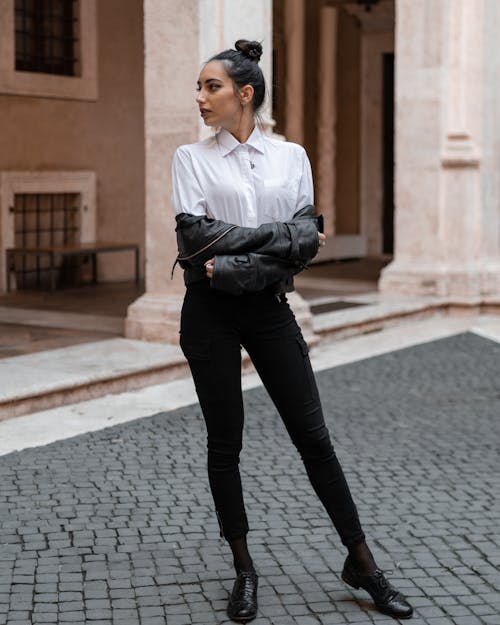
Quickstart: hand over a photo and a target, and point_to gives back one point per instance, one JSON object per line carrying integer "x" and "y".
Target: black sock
{"x": 362, "y": 558}
{"x": 241, "y": 556}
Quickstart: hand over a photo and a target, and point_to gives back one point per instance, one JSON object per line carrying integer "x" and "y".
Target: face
{"x": 219, "y": 103}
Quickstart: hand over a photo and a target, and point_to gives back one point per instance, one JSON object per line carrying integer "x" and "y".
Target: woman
{"x": 245, "y": 227}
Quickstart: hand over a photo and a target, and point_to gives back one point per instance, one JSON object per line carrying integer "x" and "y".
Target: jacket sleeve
{"x": 251, "y": 272}
{"x": 295, "y": 240}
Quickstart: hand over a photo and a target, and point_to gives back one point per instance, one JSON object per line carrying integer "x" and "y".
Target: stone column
{"x": 327, "y": 105}
{"x": 295, "y": 32}
{"x": 171, "y": 69}
{"x": 447, "y": 230}
{"x": 294, "y": 17}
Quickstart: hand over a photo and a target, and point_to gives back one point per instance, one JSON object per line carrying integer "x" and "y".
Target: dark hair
{"x": 243, "y": 69}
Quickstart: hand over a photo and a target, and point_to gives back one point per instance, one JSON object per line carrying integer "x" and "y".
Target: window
{"x": 48, "y": 48}
{"x": 46, "y": 34}
{"x": 45, "y": 220}
{"x": 42, "y": 208}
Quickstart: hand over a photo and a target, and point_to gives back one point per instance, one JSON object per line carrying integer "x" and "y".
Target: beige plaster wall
{"x": 106, "y": 136}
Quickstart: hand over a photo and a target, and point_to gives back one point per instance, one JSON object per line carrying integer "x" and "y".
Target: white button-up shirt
{"x": 246, "y": 184}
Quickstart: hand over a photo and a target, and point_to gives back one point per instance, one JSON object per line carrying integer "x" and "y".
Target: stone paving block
{"x": 176, "y": 619}
{"x": 484, "y": 610}
{"x": 19, "y": 615}
{"x": 334, "y": 618}
{"x": 147, "y": 612}
{"x": 355, "y": 617}
{"x": 72, "y": 617}
{"x": 297, "y": 610}
{"x": 272, "y": 610}
{"x": 467, "y": 620}
{"x": 490, "y": 619}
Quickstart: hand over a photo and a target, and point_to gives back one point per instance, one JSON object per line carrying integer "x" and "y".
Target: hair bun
{"x": 250, "y": 49}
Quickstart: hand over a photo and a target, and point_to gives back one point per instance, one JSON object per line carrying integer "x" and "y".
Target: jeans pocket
{"x": 308, "y": 371}
{"x": 195, "y": 348}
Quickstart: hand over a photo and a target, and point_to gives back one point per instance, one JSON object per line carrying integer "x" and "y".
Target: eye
{"x": 214, "y": 86}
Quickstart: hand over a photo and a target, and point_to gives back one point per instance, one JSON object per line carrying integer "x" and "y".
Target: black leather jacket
{"x": 247, "y": 259}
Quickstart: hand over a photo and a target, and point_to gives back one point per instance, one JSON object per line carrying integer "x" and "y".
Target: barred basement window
{"x": 45, "y": 220}
{"x": 46, "y": 36}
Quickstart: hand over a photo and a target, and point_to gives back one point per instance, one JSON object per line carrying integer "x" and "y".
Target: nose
{"x": 200, "y": 97}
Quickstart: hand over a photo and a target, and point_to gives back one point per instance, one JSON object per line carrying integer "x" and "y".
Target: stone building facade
{"x": 395, "y": 101}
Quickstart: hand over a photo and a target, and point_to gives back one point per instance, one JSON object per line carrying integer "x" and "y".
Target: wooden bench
{"x": 81, "y": 249}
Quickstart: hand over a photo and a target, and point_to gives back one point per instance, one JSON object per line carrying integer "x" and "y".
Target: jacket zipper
{"x": 205, "y": 247}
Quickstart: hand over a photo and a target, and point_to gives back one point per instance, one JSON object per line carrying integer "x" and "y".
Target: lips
{"x": 204, "y": 112}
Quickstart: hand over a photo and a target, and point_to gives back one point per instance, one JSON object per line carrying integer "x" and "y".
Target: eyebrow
{"x": 209, "y": 80}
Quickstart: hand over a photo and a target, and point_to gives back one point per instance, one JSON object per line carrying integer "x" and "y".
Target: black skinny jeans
{"x": 213, "y": 326}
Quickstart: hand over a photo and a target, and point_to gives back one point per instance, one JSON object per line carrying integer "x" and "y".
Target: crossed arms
{"x": 247, "y": 259}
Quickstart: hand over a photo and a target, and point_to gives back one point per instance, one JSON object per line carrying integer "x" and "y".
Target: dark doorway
{"x": 388, "y": 153}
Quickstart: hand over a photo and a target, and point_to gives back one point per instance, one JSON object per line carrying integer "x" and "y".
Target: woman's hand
{"x": 322, "y": 239}
{"x": 209, "y": 266}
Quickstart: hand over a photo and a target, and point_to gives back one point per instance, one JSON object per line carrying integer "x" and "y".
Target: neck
{"x": 243, "y": 129}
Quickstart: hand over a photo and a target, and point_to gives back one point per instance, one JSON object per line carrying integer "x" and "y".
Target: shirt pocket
{"x": 280, "y": 196}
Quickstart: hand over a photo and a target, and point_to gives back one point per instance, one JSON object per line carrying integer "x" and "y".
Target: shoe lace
{"x": 246, "y": 584}
{"x": 382, "y": 584}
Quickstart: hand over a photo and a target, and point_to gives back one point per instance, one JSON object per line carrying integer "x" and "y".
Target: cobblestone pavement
{"x": 117, "y": 526}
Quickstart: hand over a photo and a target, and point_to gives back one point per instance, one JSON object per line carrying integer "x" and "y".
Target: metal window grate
{"x": 41, "y": 220}
{"x": 46, "y": 36}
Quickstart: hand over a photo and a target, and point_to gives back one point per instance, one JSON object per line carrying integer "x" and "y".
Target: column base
{"x": 490, "y": 279}
{"x": 440, "y": 279}
{"x": 154, "y": 317}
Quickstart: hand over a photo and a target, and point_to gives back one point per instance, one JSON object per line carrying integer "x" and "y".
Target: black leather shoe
{"x": 242, "y": 606}
{"x": 387, "y": 599}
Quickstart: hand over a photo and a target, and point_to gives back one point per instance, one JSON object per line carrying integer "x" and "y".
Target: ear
{"x": 246, "y": 94}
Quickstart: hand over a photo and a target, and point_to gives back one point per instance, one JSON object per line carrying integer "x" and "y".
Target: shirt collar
{"x": 227, "y": 143}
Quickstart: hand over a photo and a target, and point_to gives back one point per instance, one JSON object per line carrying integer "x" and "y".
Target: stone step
{"x": 56, "y": 377}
